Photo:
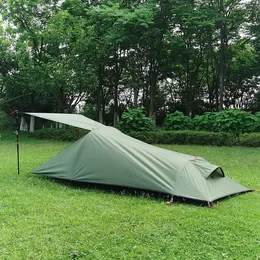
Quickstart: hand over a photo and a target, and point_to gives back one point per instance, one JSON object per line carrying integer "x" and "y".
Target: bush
{"x": 206, "y": 122}
{"x": 162, "y": 137}
{"x": 233, "y": 121}
{"x": 251, "y": 140}
{"x": 186, "y": 137}
{"x": 60, "y": 134}
{"x": 6, "y": 122}
{"x": 257, "y": 115}
{"x": 177, "y": 121}
{"x": 135, "y": 120}
{"x": 236, "y": 121}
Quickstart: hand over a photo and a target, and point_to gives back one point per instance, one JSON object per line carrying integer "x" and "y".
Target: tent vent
{"x": 217, "y": 173}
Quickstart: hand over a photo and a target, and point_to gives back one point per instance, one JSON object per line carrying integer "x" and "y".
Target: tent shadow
{"x": 133, "y": 192}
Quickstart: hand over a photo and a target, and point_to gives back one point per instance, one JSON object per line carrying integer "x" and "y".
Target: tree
{"x": 193, "y": 56}
{"x": 8, "y": 70}
{"x": 26, "y": 23}
{"x": 69, "y": 61}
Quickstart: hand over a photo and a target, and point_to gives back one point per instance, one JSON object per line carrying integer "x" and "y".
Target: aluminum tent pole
{"x": 17, "y": 142}
{"x": 16, "y": 123}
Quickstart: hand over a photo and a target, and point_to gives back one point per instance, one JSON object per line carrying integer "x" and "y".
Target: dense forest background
{"x": 104, "y": 57}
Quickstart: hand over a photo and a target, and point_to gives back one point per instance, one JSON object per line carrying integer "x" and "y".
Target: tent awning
{"x": 76, "y": 120}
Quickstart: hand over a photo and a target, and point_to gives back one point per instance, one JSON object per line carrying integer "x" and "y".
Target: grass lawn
{"x": 45, "y": 219}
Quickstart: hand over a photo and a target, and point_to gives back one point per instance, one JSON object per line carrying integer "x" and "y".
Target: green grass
{"x": 45, "y": 219}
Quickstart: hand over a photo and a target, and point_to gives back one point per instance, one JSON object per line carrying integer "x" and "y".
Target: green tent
{"x": 107, "y": 156}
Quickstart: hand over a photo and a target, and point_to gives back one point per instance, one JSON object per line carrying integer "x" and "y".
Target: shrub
{"x": 252, "y": 140}
{"x": 233, "y": 120}
{"x": 236, "y": 121}
{"x": 162, "y": 137}
{"x": 186, "y": 137}
{"x": 135, "y": 120}
{"x": 60, "y": 134}
{"x": 206, "y": 122}
{"x": 177, "y": 121}
{"x": 257, "y": 116}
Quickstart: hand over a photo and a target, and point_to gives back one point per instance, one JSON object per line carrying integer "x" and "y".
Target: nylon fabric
{"x": 76, "y": 120}
{"x": 107, "y": 156}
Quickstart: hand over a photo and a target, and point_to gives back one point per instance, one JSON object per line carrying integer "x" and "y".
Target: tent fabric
{"x": 76, "y": 120}
{"x": 107, "y": 156}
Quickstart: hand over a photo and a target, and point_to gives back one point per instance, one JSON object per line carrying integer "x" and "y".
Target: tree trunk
{"x": 188, "y": 88}
{"x": 32, "y": 124}
{"x": 221, "y": 75}
{"x": 152, "y": 100}
{"x": 115, "y": 105}
{"x": 99, "y": 105}
{"x": 23, "y": 124}
{"x": 136, "y": 92}
{"x": 223, "y": 52}
{"x": 153, "y": 81}
{"x": 118, "y": 71}
{"x": 100, "y": 113}
{"x": 100, "y": 94}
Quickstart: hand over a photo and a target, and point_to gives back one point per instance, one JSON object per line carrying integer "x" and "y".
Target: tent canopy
{"x": 107, "y": 156}
{"x": 75, "y": 120}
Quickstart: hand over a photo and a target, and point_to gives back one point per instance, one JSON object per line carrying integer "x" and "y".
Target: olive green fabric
{"x": 76, "y": 120}
{"x": 107, "y": 156}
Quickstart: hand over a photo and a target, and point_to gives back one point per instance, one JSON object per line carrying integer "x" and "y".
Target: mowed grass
{"x": 46, "y": 219}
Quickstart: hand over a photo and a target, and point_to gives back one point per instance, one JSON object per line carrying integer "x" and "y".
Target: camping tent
{"x": 107, "y": 156}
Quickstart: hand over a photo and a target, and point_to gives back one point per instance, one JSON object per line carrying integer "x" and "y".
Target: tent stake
{"x": 169, "y": 203}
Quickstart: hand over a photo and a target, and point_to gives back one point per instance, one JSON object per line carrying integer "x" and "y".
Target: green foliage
{"x": 56, "y": 54}
{"x": 135, "y": 120}
{"x": 233, "y": 121}
{"x": 257, "y": 115}
{"x": 90, "y": 111}
{"x": 60, "y": 134}
{"x": 251, "y": 140}
{"x": 186, "y": 137}
{"x": 177, "y": 121}
{"x": 189, "y": 137}
{"x": 205, "y": 122}
{"x": 6, "y": 122}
